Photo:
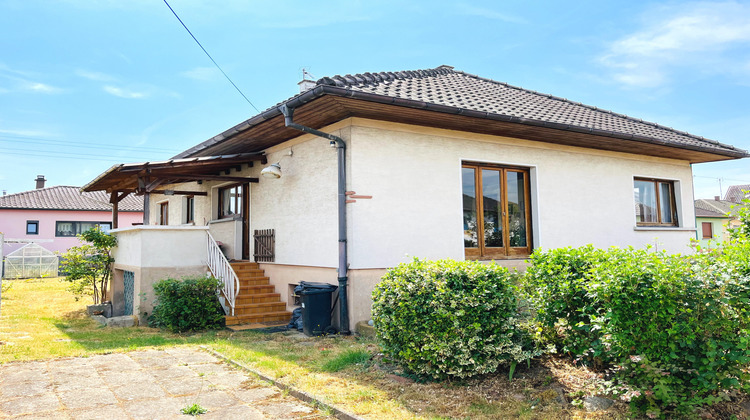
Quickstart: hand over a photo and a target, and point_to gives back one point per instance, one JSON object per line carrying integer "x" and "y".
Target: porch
{"x": 146, "y": 254}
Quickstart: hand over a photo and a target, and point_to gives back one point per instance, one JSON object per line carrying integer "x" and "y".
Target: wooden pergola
{"x": 151, "y": 177}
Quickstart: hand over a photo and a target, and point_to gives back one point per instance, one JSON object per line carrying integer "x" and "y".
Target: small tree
{"x": 89, "y": 266}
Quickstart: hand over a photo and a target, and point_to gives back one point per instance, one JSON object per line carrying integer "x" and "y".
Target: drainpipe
{"x": 340, "y": 146}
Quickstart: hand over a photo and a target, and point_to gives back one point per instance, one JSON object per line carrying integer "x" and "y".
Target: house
{"x": 53, "y": 216}
{"x": 736, "y": 193}
{"x": 370, "y": 170}
{"x": 713, "y": 219}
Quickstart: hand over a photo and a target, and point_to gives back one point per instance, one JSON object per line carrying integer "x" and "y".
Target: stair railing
{"x": 222, "y": 270}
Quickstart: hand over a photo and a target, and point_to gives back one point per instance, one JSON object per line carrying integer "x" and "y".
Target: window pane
{"x": 84, "y": 226}
{"x": 645, "y": 202}
{"x": 64, "y": 229}
{"x": 516, "y": 209}
{"x": 470, "y": 207}
{"x": 32, "y": 228}
{"x": 491, "y": 201}
{"x": 665, "y": 202}
{"x": 708, "y": 231}
{"x": 237, "y": 194}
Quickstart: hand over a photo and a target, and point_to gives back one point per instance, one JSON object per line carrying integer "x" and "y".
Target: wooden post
{"x": 115, "y": 207}
{"x": 146, "y": 208}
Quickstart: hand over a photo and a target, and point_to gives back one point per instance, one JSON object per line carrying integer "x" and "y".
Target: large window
{"x": 496, "y": 211}
{"x": 654, "y": 202}
{"x": 230, "y": 201}
{"x": 77, "y": 228}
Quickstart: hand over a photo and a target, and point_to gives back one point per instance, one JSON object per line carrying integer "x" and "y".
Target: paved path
{"x": 151, "y": 384}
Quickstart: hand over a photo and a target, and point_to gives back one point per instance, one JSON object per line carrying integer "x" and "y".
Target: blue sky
{"x": 85, "y": 84}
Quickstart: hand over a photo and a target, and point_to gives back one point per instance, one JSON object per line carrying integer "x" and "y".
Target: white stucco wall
{"x": 157, "y": 246}
{"x": 579, "y": 196}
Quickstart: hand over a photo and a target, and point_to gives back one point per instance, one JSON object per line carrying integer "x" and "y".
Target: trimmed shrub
{"x": 445, "y": 318}
{"x": 557, "y": 287}
{"x": 188, "y": 304}
{"x": 675, "y": 328}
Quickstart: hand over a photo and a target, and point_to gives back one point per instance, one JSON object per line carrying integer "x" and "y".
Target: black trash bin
{"x": 316, "y": 307}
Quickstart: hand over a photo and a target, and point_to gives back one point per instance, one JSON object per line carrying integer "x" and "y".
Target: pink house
{"x": 52, "y": 217}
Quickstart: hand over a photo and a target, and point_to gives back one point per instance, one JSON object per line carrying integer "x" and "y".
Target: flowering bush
{"x": 449, "y": 319}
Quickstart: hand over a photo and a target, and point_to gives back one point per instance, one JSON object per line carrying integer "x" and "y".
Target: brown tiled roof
{"x": 444, "y": 89}
{"x": 67, "y": 198}
{"x": 445, "y": 86}
{"x": 735, "y": 193}
{"x": 713, "y": 208}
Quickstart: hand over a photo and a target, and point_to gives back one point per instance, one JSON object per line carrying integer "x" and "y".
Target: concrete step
{"x": 244, "y": 265}
{"x": 259, "y": 308}
{"x": 254, "y": 281}
{"x": 255, "y": 289}
{"x": 259, "y": 318}
{"x": 257, "y": 298}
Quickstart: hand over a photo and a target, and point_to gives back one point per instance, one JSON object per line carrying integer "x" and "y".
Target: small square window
{"x": 708, "y": 230}
{"x": 32, "y": 227}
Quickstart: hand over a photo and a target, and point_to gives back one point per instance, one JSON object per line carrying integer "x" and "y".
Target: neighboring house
{"x": 52, "y": 217}
{"x": 736, "y": 193}
{"x": 713, "y": 219}
{"x": 375, "y": 169}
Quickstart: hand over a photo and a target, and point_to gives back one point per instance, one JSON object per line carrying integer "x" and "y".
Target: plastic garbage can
{"x": 316, "y": 307}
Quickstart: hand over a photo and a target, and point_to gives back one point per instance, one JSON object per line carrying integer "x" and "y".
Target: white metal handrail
{"x": 222, "y": 270}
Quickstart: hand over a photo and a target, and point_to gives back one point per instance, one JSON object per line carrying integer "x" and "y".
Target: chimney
{"x": 307, "y": 83}
{"x": 717, "y": 198}
{"x": 5, "y": 192}
{"x": 40, "y": 181}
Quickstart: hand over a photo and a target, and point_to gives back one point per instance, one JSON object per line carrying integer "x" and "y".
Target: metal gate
{"x": 30, "y": 261}
{"x": 129, "y": 286}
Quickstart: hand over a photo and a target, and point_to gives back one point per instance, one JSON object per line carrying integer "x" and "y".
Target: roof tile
{"x": 67, "y": 198}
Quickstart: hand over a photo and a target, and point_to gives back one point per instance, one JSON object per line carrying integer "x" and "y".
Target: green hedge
{"x": 674, "y": 327}
{"x": 446, "y": 318}
{"x": 188, "y": 304}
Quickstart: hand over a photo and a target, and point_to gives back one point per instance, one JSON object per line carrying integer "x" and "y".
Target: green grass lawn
{"x": 40, "y": 319}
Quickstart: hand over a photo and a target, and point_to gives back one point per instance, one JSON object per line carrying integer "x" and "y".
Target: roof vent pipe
{"x": 337, "y": 142}
{"x": 40, "y": 181}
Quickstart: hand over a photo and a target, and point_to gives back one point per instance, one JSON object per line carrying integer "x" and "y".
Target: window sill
{"x": 664, "y": 228}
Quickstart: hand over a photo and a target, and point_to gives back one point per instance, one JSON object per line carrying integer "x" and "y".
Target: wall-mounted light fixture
{"x": 273, "y": 171}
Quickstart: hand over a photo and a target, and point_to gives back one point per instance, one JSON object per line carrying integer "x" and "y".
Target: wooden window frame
{"x": 481, "y": 252}
{"x": 76, "y": 227}
{"x": 710, "y": 230}
{"x": 672, "y": 198}
{"x": 190, "y": 209}
{"x": 164, "y": 213}
{"x": 32, "y": 223}
{"x": 238, "y": 200}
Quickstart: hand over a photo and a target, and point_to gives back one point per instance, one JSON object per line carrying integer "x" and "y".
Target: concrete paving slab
{"x": 87, "y": 397}
{"x": 148, "y": 384}
{"x": 106, "y": 412}
{"x": 38, "y": 404}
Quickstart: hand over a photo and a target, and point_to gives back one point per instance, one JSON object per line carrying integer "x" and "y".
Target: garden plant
{"x": 89, "y": 266}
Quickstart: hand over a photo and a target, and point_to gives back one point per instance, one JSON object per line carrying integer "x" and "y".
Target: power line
{"x": 38, "y": 140}
{"x": 209, "y": 56}
{"x": 52, "y": 153}
{"x": 75, "y": 157}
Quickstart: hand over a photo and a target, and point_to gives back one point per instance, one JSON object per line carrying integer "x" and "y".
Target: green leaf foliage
{"x": 88, "y": 267}
{"x": 188, "y": 304}
{"x": 674, "y": 328}
{"x": 449, "y": 319}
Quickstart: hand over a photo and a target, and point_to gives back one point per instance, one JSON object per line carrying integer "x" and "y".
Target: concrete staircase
{"x": 257, "y": 304}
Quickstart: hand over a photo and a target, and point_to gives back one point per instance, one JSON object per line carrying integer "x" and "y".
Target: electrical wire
{"x": 78, "y": 144}
{"x": 209, "y": 56}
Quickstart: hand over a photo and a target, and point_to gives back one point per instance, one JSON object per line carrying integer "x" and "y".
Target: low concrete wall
{"x": 153, "y": 253}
